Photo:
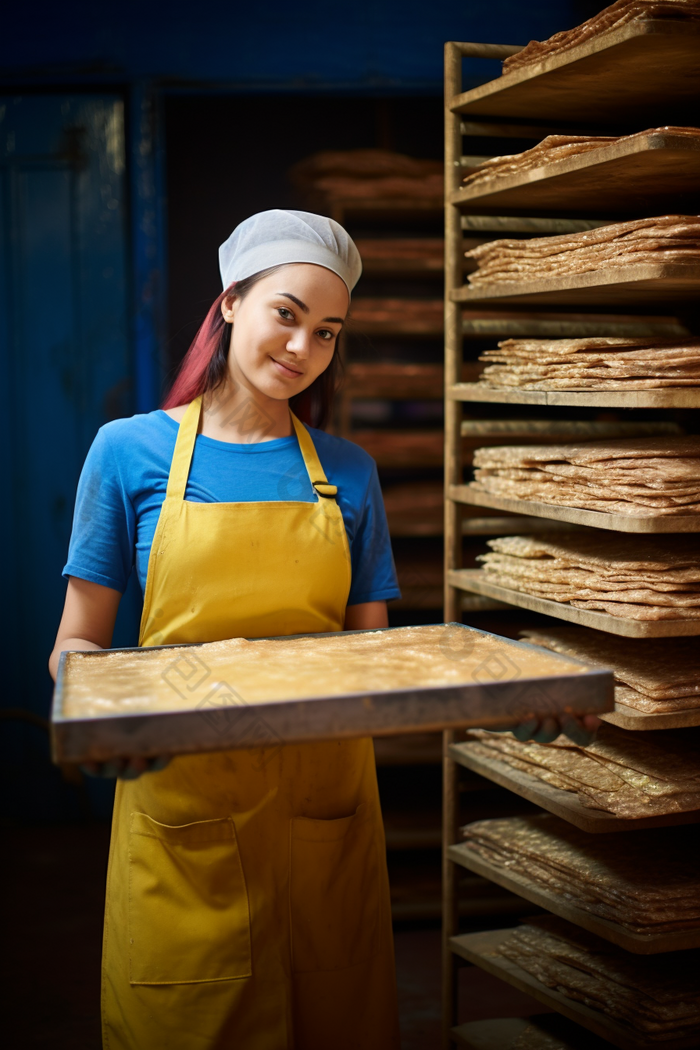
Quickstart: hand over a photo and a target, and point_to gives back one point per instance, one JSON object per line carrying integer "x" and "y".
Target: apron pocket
{"x": 189, "y": 919}
{"x": 335, "y": 891}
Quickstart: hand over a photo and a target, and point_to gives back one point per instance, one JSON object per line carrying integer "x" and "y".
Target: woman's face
{"x": 285, "y": 329}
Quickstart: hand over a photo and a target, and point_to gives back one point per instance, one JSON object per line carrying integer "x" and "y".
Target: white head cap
{"x": 274, "y": 237}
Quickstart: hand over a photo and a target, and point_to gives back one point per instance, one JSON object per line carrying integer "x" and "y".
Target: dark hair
{"x": 204, "y": 366}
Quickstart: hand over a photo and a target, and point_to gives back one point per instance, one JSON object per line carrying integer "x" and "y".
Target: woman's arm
{"x": 366, "y": 617}
{"x": 89, "y": 613}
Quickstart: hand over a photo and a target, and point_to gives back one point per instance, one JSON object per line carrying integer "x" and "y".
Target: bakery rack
{"x": 617, "y": 84}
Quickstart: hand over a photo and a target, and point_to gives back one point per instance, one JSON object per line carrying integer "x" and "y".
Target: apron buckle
{"x": 324, "y": 489}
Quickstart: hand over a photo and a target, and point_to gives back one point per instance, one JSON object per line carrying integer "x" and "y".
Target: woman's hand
{"x": 126, "y": 768}
{"x": 580, "y": 730}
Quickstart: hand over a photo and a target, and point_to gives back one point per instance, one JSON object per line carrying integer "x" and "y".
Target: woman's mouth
{"x": 285, "y": 370}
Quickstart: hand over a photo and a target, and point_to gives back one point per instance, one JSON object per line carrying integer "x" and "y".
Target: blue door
{"x": 66, "y": 368}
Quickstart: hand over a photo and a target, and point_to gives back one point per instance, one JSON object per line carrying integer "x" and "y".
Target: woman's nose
{"x": 299, "y": 342}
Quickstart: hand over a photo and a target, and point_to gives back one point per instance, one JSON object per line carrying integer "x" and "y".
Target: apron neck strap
{"x": 316, "y": 473}
{"x": 184, "y": 447}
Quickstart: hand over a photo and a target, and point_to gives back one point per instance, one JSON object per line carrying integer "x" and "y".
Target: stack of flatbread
{"x": 368, "y": 173}
{"x": 638, "y": 477}
{"x": 664, "y": 239}
{"x": 632, "y": 577}
{"x": 632, "y": 775}
{"x": 659, "y": 999}
{"x": 554, "y": 148}
{"x": 593, "y": 364}
{"x": 650, "y": 883}
{"x": 612, "y": 17}
{"x": 654, "y": 675}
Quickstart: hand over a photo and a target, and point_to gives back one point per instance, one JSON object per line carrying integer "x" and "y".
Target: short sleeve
{"x": 102, "y": 540}
{"x": 373, "y": 570}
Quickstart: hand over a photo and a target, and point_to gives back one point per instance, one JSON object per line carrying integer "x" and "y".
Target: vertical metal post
{"x": 452, "y": 612}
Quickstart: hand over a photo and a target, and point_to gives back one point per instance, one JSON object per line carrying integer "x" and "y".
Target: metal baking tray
{"x": 495, "y": 694}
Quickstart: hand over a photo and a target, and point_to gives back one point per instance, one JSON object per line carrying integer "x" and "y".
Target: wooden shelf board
{"x": 563, "y": 804}
{"x": 639, "y": 943}
{"x": 431, "y": 908}
{"x": 552, "y": 432}
{"x": 639, "y": 721}
{"x": 477, "y": 604}
{"x": 413, "y": 329}
{"x": 410, "y": 839}
{"x": 508, "y": 526}
{"x": 414, "y": 528}
{"x": 512, "y": 324}
{"x": 370, "y": 205}
{"x": 577, "y": 515}
{"x": 421, "y": 597}
{"x": 679, "y": 397}
{"x": 403, "y": 267}
{"x": 645, "y": 283}
{"x": 480, "y": 949}
{"x": 633, "y": 175}
{"x": 475, "y": 580}
{"x": 501, "y": 1033}
{"x": 402, "y": 448}
{"x": 408, "y": 749}
{"x": 641, "y": 69}
{"x": 395, "y": 381}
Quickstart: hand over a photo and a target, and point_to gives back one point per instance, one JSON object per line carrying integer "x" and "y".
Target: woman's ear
{"x": 228, "y": 308}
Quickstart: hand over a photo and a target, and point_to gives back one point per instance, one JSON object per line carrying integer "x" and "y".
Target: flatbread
{"x": 658, "y": 670}
{"x": 612, "y": 17}
{"x": 663, "y": 239}
{"x": 640, "y": 477}
{"x": 555, "y": 148}
{"x": 650, "y": 883}
{"x": 659, "y": 1001}
{"x": 631, "y": 775}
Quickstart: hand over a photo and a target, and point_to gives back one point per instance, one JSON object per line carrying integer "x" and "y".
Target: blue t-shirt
{"x": 123, "y": 481}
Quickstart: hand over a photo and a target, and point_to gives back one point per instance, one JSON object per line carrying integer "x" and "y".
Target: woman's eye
{"x": 326, "y": 334}
{"x": 286, "y": 314}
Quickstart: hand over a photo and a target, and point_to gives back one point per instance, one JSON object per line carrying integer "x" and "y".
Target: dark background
{"x": 133, "y": 138}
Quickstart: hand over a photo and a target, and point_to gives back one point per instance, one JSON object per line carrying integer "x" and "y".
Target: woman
{"x": 247, "y": 894}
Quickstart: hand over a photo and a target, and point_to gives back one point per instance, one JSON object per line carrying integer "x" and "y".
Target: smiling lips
{"x": 286, "y": 370}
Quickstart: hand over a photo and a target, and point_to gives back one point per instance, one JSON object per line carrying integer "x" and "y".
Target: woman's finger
{"x": 549, "y": 730}
{"x": 156, "y": 764}
{"x": 526, "y": 730}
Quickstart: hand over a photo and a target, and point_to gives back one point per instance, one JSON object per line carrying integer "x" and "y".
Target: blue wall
{"x": 367, "y": 45}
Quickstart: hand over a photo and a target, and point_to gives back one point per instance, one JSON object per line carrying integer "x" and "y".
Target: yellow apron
{"x": 247, "y": 893}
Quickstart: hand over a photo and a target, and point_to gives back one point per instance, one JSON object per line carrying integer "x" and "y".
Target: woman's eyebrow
{"x": 304, "y": 307}
{"x": 288, "y": 295}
